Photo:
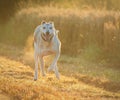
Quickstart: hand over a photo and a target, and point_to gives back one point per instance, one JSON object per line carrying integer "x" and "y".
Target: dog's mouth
{"x": 46, "y": 37}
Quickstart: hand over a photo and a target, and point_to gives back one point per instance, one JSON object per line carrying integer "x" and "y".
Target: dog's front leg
{"x": 36, "y": 67}
{"x": 42, "y": 66}
{"x": 53, "y": 66}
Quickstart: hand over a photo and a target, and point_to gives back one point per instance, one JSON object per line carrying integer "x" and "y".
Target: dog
{"x": 46, "y": 42}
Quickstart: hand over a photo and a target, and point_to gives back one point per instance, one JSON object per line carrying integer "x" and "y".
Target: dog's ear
{"x": 51, "y": 22}
{"x": 43, "y": 22}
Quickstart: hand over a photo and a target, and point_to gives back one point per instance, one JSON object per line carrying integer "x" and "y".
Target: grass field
{"x": 78, "y": 81}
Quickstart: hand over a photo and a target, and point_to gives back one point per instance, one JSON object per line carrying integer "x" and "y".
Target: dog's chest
{"x": 45, "y": 46}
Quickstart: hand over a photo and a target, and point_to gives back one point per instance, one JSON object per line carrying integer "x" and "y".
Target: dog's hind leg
{"x": 53, "y": 66}
{"x": 57, "y": 72}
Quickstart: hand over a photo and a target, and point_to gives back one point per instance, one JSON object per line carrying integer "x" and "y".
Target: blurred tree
{"x": 7, "y": 9}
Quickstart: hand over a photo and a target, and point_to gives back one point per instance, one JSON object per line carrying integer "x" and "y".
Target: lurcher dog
{"x": 46, "y": 42}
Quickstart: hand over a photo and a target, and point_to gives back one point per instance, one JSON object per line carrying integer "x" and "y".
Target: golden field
{"x": 90, "y": 60}
{"x": 77, "y": 82}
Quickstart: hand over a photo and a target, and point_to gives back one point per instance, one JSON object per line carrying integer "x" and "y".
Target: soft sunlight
{"x": 89, "y": 62}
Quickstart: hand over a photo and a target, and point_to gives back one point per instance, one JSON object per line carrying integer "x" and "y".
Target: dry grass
{"x": 16, "y": 80}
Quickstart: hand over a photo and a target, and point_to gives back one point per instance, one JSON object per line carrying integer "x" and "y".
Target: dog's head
{"x": 48, "y": 30}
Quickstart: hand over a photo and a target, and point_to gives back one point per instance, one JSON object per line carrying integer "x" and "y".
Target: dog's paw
{"x": 57, "y": 75}
{"x": 35, "y": 79}
{"x": 50, "y": 69}
{"x": 43, "y": 74}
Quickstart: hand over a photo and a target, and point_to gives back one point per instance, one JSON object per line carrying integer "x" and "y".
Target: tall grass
{"x": 90, "y": 33}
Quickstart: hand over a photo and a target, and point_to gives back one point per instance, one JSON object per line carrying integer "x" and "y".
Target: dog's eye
{"x": 50, "y": 27}
{"x": 43, "y": 27}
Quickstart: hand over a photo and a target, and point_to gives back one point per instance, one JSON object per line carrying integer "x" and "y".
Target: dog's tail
{"x": 57, "y": 31}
